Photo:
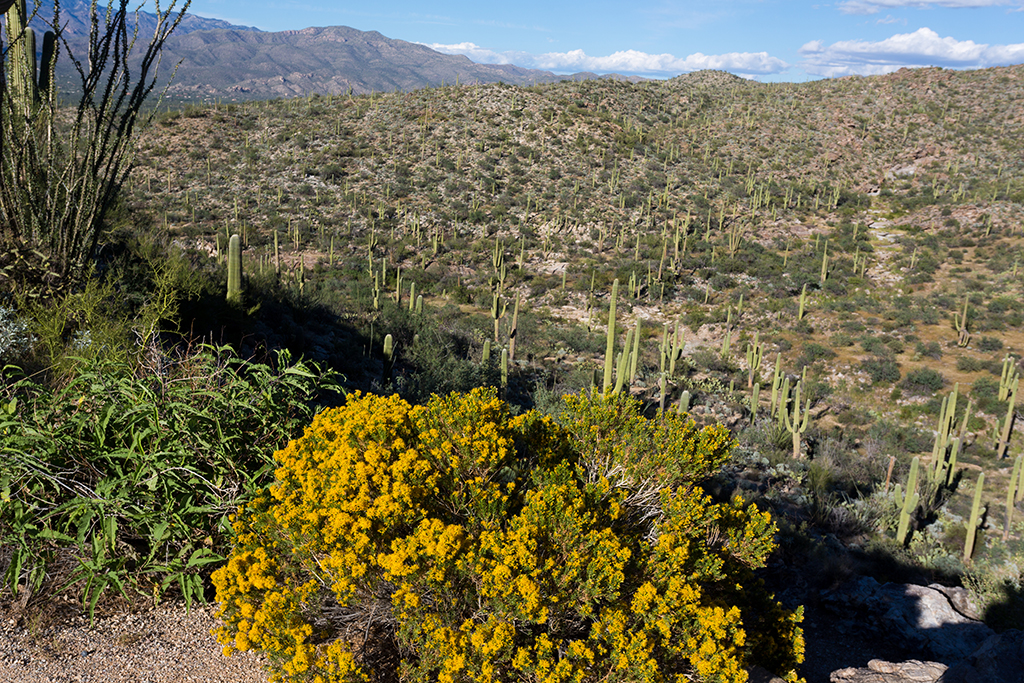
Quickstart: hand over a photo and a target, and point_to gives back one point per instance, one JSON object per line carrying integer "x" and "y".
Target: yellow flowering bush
{"x": 457, "y": 542}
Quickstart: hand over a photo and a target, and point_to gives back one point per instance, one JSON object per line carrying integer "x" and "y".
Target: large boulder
{"x": 877, "y": 671}
{"x": 1000, "y": 659}
{"x": 935, "y": 620}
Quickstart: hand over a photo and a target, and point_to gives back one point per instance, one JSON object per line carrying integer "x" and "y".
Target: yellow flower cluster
{"x": 505, "y": 547}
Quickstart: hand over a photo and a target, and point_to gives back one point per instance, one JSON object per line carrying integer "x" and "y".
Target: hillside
{"x": 846, "y": 252}
{"x": 713, "y": 200}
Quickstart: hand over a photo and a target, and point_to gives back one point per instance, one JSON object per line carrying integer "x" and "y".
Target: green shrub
{"x": 930, "y": 349}
{"x": 924, "y": 381}
{"x": 968, "y": 364}
{"x": 135, "y": 478}
{"x": 990, "y": 344}
{"x": 473, "y": 545}
{"x": 882, "y": 370}
{"x": 813, "y": 352}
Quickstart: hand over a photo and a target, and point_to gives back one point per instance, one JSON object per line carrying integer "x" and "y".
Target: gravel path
{"x": 165, "y": 645}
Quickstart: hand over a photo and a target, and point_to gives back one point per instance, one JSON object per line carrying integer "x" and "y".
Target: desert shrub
{"x": 929, "y": 349}
{"x": 813, "y": 352}
{"x": 882, "y": 370}
{"x": 968, "y": 364}
{"x": 924, "y": 381}
{"x": 476, "y": 546}
{"x": 990, "y": 344}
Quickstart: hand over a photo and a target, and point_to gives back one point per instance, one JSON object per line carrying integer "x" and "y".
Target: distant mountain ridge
{"x": 219, "y": 60}
{"x": 326, "y": 60}
{"x": 74, "y": 16}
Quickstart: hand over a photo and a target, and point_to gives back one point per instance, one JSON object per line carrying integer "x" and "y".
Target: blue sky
{"x": 763, "y": 39}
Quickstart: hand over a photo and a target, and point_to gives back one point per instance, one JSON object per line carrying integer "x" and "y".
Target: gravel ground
{"x": 164, "y": 645}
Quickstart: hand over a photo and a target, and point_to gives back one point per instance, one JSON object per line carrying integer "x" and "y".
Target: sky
{"x": 768, "y": 40}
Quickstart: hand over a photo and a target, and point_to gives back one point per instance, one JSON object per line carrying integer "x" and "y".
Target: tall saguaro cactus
{"x": 28, "y": 83}
{"x": 609, "y": 351}
{"x": 234, "y": 270}
{"x": 909, "y": 503}
{"x": 753, "y": 359}
{"x": 794, "y": 424}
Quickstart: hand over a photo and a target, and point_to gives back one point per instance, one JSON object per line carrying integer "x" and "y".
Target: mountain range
{"x": 218, "y": 60}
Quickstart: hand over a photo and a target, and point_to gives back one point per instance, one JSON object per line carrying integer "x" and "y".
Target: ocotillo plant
{"x": 909, "y": 503}
{"x": 89, "y": 147}
{"x": 234, "y": 296}
{"x": 609, "y": 351}
{"x": 972, "y": 525}
{"x": 794, "y": 425}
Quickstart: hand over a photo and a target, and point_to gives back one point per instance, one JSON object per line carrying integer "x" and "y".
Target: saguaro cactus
{"x": 794, "y": 425}
{"x": 1011, "y": 495}
{"x": 960, "y": 322}
{"x": 234, "y": 270}
{"x": 972, "y": 525}
{"x": 753, "y": 359}
{"x": 28, "y": 84}
{"x": 909, "y": 503}
{"x": 1004, "y": 438}
{"x": 609, "y": 351}
{"x": 389, "y": 359}
{"x": 1008, "y": 378}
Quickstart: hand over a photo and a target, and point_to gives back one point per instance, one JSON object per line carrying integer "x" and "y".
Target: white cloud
{"x": 476, "y": 53}
{"x": 875, "y": 6}
{"x": 923, "y": 47}
{"x": 625, "y": 61}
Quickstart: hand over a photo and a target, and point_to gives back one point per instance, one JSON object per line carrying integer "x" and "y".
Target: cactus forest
{"x": 832, "y": 270}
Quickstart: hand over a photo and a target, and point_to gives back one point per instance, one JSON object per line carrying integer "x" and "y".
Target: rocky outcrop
{"x": 1000, "y": 659}
{"x": 877, "y": 671}
{"x": 935, "y": 620}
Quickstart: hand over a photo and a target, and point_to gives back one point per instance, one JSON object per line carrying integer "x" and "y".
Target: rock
{"x": 877, "y": 671}
{"x": 1000, "y": 659}
{"x": 935, "y": 619}
{"x": 761, "y": 675}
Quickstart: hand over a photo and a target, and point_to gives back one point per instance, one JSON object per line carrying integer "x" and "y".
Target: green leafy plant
{"x": 135, "y": 479}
